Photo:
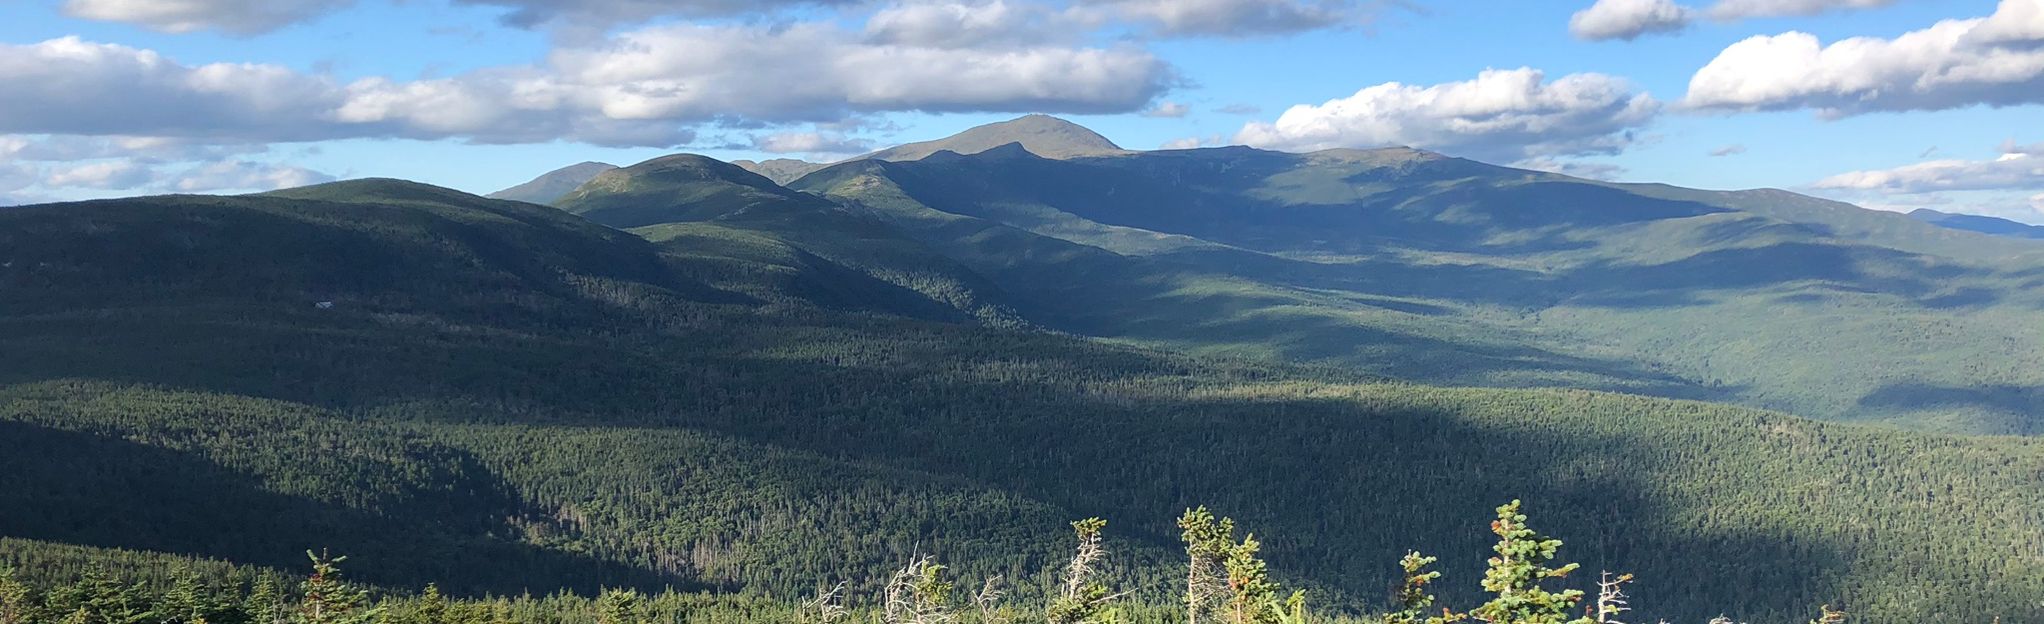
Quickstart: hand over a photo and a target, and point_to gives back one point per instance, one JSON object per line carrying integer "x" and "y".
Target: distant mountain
{"x": 677, "y": 197}
{"x": 1982, "y": 224}
{"x": 1443, "y": 270}
{"x": 1041, "y": 135}
{"x": 502, "y": 398}
{"x": 553, "y": 184}
{"x": 780, "y": 170}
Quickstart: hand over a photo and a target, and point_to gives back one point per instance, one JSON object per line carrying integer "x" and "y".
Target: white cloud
{"x": 112, "y": 174}
{"x": 14, "y": 176}
{"x": 1737, "y": 9}
{"x": 1502, "y": 116}
{"x": 1629, "y": 19}
{"x": 66, "y": 148}
{"x": 698, "y": 72}
{"x": 241, "y": 17}
{"x": 1729, "y": 150}
{"x": 649, "y": 87}
{"x": 810, "y": 143}
{"x": 1575, "y": 168}
{"x": 1193, "y": 143}
{"x": 1997, "y": 61}
{"x": 1168, "y": 110}
{"x": 2011, "y": 171}
{"x": 244, "y": 176}
{"x": 527, "y": 13}
{"x": 1237, "y": 18}
{"x": 974, "y": 24}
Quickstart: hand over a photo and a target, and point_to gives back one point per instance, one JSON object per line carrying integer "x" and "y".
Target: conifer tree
{"x": 329, "y": 600}
{"x": 1082, "y": 599}
{"x": 1828, "y": 615}
{"x": 189, "y": 601}
{"x": 17, "y": 602}
{"x": 1517, "y": 571}
{"x": 619, "y": 606}
{"x": 265, "y": 602}
{"x": 1412, "y": 598}
{"x": 1208, "y": 544}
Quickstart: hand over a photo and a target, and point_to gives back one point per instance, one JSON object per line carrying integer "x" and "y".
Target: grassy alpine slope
{"x": 506, "y": 398}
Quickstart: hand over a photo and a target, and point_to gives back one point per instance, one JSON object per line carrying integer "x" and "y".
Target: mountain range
{"x": 687, "y": 373}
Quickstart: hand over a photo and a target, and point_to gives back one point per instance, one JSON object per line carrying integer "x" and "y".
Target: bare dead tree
{"x": 827, "y": 607}
{"x": 1611, "y": 599}
{"x": 988, "y": 600}
{"x": 1083, "y": 599}
{"x": 917, "y": 594}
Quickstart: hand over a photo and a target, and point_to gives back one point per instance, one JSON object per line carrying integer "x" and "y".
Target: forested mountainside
{"x": 1443, "y": 270}
{"x": 505, "y": 398}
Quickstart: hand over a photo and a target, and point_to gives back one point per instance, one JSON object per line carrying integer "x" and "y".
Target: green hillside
{"x": 1442, "y": 270}
{"x": 505, "y": 398}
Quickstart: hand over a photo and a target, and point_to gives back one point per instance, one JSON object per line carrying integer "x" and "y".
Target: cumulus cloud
{"x": 147, "y": 149}
{"x": 1193, "y": 143}
{"x": 2012, "y": 171}
{"x": 973, "y": 24}
{"x": 1996, "y": 60}
{"x": 1502, "y": 116}
{"x": 113, "y": 174}
{"x": 1737, "y": 9}
{"x": 529, "y": 13}
{"x": 1236, "y": 18}
{"x": 1728, "y": 150}
{"x": 244, "y": 176}
{"x": 1574, "y": 168}
{"x": 16, "y": 176}
{"x": 647, "y": 87}
{"x": 1629, "y": 19}
{"x": 689, "y": 71}
{"x": 240, "y": 17}
{"x": 810, "y": 143}
{"x": 1168, "y": 110}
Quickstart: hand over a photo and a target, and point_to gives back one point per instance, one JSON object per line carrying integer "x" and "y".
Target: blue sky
{"x": 1926, "y": 103}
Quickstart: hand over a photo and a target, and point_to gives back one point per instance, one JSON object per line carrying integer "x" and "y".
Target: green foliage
{"x": 1082, "y": 599}
{"x": 1828, "y": 615}
{"x": 1411, "y": 601}
{"x": 327, "y": 599}
{"x": 506, "y": 399}
{"x": 1517, "y": 573}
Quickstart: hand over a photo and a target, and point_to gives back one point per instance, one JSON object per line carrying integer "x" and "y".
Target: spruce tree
{"x": 1082, "y": 599}
{"x": 1208, "y": 544}
{"x": 329, "y": 600}
{"x": 17, "y": 602}
{"x": 619, "y": 606}
{"x": 265, "y": 602}
{"x": 1412, "y": 598}
{"x": 1517, "y": 571}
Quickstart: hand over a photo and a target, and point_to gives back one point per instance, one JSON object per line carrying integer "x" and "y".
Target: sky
{"x": 1890, "y": 104}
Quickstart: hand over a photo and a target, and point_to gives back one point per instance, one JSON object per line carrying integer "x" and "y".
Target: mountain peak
{"x": 554, "y": 184}
{"x": 1042, "y": 135}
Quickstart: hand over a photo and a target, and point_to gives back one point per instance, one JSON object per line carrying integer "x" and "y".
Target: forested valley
{"x": 691, "y": 394}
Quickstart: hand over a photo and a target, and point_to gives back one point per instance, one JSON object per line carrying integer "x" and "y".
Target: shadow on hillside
{"x": 1339, "y": 490}
{"x": 1998, "y": 408}
{"x": 1689, "y": 280}
{"x": 79, "y": 488}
